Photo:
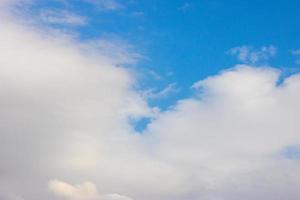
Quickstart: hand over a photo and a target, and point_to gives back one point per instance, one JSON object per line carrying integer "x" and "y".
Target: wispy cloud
{"x": 251, "y": 55}
{"x": 118, "y": 51}
{"x": 184, "y": 7}
{"x": 297, "y": 54}
{"x": 109, "y": 5}
{"x": 170, "y": 89}
{"x": 63, "y": 17}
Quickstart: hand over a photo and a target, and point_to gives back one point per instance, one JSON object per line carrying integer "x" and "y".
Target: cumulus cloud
{"x": 235, "y": 129}
{"x": 251, "y": 55}
{"x": 46, "y": 83}
{"x": 65, "y": 114}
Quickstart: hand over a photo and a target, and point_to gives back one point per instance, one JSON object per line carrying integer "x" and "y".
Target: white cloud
{"x": 234, "y": 130}
{"x": 250, "y": 55}
{"x": 46, "y": 83}
{"x": 66, "y": 110}
{"x": 62, "y": 17}
{"x": 84, "y": 191}
{"x": 165, "y": 92}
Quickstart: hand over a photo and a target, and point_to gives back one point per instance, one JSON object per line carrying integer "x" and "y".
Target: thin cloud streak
{"x": 62, "y": 17}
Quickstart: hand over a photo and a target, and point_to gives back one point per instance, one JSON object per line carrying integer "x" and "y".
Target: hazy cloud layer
{"x": 66, "y": 134}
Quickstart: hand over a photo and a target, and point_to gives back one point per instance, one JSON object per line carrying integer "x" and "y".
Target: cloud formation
{"x": 48, "y": 82}
{"x": 250, "y": 55}
{"x": 165, "y": 92}
{"x": 84, "y": 191}
{"x": 65, "y": 115}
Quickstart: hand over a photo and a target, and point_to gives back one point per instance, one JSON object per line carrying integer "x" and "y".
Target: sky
{"x": 149, "y": 100}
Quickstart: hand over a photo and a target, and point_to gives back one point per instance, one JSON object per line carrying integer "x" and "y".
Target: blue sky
{"x": 185, "y": 41}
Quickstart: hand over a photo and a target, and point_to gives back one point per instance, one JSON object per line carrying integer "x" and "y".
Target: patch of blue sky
{"x": 292, "y": 152}
{"x": 183, "y": 46}
{"x": 141, "y": 124}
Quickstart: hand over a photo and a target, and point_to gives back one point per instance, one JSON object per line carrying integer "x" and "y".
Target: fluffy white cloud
{"x": 61, "y": 105}
{"x": 250, "y": 55}
{"x": 230, "y": 137}
{"x": 66, "y": 109}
